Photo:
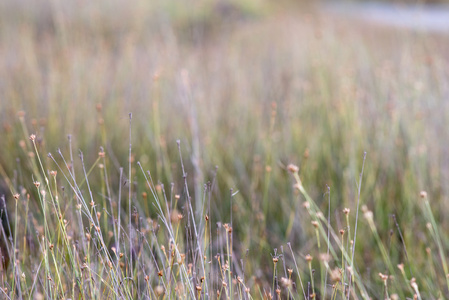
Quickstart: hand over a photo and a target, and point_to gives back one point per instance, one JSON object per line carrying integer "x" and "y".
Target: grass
{"x": 241, "y": 173}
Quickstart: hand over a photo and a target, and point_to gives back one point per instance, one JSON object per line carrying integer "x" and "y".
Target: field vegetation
{"x": 222, "y": 150}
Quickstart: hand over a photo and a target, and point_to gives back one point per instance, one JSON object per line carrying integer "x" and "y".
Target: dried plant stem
{"x": 130, "y": 199}
{"x": 359, "y": 187}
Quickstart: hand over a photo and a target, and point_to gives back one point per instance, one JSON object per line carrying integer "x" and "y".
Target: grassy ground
{"x": 224, "y": 97}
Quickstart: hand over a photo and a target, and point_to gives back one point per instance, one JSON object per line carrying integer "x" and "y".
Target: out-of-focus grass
{"x": 249, "y": 88}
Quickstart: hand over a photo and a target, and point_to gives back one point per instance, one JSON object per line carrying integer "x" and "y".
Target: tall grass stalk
{"x": 435, "y": 234}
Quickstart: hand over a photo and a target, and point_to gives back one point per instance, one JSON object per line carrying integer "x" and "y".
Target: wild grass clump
{"x": 66, "y": 237}
{"x": 246, "y": 94}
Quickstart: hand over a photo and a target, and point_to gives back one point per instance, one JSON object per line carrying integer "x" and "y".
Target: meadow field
{"x": 220, "y": 150}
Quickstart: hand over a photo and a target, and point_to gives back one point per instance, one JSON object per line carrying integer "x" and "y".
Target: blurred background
{"x": 248, "y": 87}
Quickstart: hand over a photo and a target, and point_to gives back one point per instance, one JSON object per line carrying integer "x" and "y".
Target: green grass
{"x": 223, "y": 100}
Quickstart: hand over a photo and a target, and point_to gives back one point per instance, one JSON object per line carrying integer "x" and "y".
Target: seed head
{"x": 292, "y": 168}
{"x": 156, "y": 76}
{"x": 335, "y": 275}
{"x": 181, "y": 259}
{"x": 309, "y": 257}
{"x": 367, "y": 213}
{"x": 414, "y": 284}
{"x": 325, "y": 257}
{"x": 306, "y": 153}
{"x": 159, "y": 290}
{"x": 286, "y": 282}
{"x": 32, "y": 137}
{"x": 383, "y": 277}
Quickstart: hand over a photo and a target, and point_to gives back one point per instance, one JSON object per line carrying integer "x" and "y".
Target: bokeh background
{"x": 247, "y": 87}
